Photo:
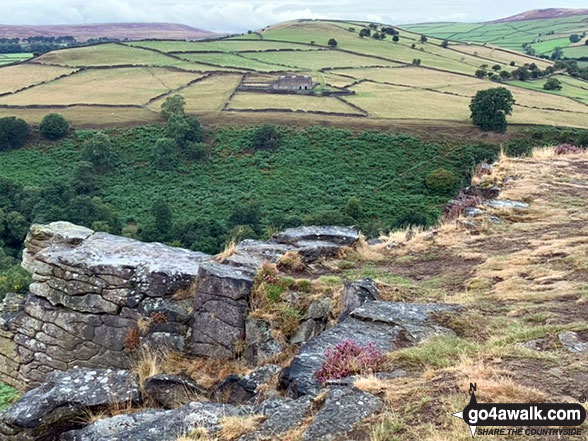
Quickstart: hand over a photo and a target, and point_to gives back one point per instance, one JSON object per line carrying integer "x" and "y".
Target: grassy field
{"x": 6, "y": 59}
{"x": 571, "y": 87}
{"x": 100, "y": 76}
{"x": 544, "y": 35}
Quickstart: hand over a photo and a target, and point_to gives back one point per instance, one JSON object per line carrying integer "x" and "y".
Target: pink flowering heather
{"x": 568, "y": 149}
{"x": 350, "y": 358}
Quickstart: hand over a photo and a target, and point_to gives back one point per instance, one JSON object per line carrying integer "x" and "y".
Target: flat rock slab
{"x": 343, "y": 409}
{"x": 66, "y": 396}
{"x": 506, "y": 203}
{"x": 336, "y": 235}
{"x": 574, "y": 342}
{"x": 158, "y": 425}
{"x": 388, "y": 325}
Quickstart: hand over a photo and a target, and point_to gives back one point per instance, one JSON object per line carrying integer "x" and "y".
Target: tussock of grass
{"x": 234, "y": 427}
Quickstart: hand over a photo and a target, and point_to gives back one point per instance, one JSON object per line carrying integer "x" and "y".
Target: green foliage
{"x": 8, "y": 395}
{"x": 445, "y": 43}
{"x": 165, "y": 154}
{"x": 424, "y": 38}
{"x": 332, "y": 42}
{"x": 481, "y": 73}
{"x": 173, "y": 105}
{"x": 552, "y": 84}
{"x": 574, "y": 38}
{"x": 582, "y": 139}
{"x": 184, "y": 130}
{"x": 309, "y": 179}
{"x": 98, "y": 151}
{"x": 518, "y": 148}
{"x": 14, "y": 279}
{"x": 489, "y": 108}
{"x": 442, "y": 181}
{"x": 84, "y": 179}
{"x": 353, "y": 208}
{"x": 13, "y": 133}
{"x": 266, "y": 137}
{"x": 54, "y": 126}
{"x": 365, "y": 32}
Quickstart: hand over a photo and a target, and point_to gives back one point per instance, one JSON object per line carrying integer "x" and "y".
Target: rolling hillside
{"x": 362, "y": 81}
{"x": 541, "y": 30}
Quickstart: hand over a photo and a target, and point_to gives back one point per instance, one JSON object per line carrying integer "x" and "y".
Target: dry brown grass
{"x": 227, "y": 251}
{"x": 234, "y": 427}
{"x": 187, "y": 293}
{"x": 205, "y": 371}
{"x": 291, "y": 261}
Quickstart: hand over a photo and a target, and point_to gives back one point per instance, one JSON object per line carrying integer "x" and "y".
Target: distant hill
{"x": 132, "y": 31}
{"x": 537, "y": 14}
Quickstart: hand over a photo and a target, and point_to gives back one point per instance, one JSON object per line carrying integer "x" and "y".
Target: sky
{"x": 230, "y": 16}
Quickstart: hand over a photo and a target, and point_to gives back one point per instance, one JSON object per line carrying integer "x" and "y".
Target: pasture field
{"x": 571, "y": 87}
{"x": 109, "y": 83}
{"x": 13, "y": 78}
{"x": 544, "y": 35}
{"x": 258, "y": 101}
{"x": 6, "y": 59}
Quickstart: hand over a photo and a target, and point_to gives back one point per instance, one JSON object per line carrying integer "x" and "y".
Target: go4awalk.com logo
{"x": 523, "y": 418}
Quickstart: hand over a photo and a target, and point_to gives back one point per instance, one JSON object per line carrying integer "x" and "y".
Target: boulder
{"x": 220, "y": 307}
{"x": 172, "y": 390}
{"x": 253, "y": 253}
{"x": 260, "y": 343}
{"x": 343, "y": 409}
{"x": 356, "y": 294}
{"x": 283, "y": 414}
{"x": 388, "y": 325}
{"x": 314, "y": 322}
{"x": 574, "y": 342}
{"x": 240, "y": 389}
{"x": 55, "y": 406}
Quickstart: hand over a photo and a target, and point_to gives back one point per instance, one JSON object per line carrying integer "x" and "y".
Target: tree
{"x": 396, "y": 38}
{"x": 496, "y": 67}
{"x": 521, "y": 73}
{"x": 480, "y": 73}
{"x": 365, "y": 32}
{"x": 184, "y": 129}
{"x": 557, "y": 54}
{"x": 266, "y": 137}
{"x": 13, "y": 132}
{"x": 552, "y": 84}
{"x": 373, "y": 25}
{"x": 416, "y": 61}
{"x": 512, "y": 63}
{"x": 504, "y": 74}
{"x": 85, "y": 180}
{"x": 173, "y": 105}
{"x": 165, "y": 154}
{"x": 574, "y": 38}
{"x": 445, "y": 43}
{"x": 54, "y": 126}
{"x": 98, "y": 151}
{"x": 424, "y": 38}
{"x": 489, "y": 108}
{"x": 163, "y": 220}
{"x": 353, "y": 208}
{"x": 332, "y": 43}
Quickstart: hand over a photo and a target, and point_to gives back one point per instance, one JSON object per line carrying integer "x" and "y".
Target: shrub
{"x": 350, "y": 358}
{"x": 332, "y": 42}
{"x": 15, "y": 279}
{"x": 582, "y": 139}
{"x": 489, "y": 108}
{"x": 445, "y": 43}
{"x": 441, "y": 181}
{"x": 353, "y": 208}
{"x": 568, "y": 149}
{"x": 165, "y": 154}
{"x": 13, "y": 132}
{"x": 54, "y": 126}
{"x": 266, "y": 137}
{"x": 518, "y": 148}
{"x": 184, "y": 129}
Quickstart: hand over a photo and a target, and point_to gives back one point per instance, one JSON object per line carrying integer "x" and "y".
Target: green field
{"x": 571, "y": 87}
{"x": 6, "y": 59}
{"x": 544, "y": 35}
{"x": 125, "y": 83}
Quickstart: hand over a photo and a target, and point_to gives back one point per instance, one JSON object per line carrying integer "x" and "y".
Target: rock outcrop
{"x": 96, "y": 297}
{"x": 388, "y": 325}
{"x": 58, "y": 404}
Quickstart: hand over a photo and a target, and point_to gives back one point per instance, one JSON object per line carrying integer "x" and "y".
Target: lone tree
{"x": 445, "y": 43}
{"x": 332, "y": 42}
{"x": 552, "y": 84}
{"x": 365, "y": 32}
{"x": 489, "y": 108}
{"x": 98, "y": 151}
{"x": 54, "y": 126}
{"x": 396, "y": 38}
{"x": 173, "y": 105}
{"x": 423, "y": 39}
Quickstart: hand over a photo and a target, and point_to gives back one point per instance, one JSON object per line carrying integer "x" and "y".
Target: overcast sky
{"x": 233, "y": 16}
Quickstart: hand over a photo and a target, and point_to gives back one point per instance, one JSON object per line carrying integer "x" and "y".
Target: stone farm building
{"x": 293, "y": 83}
